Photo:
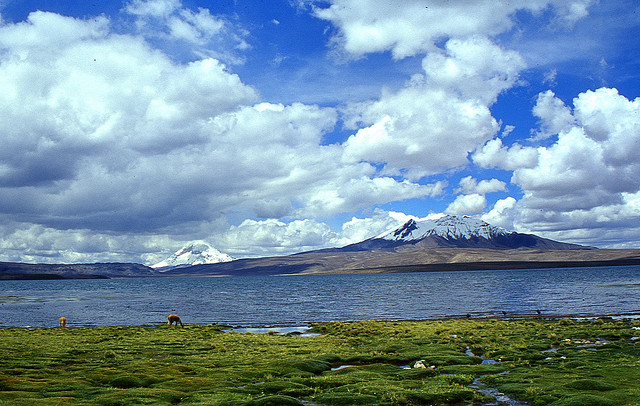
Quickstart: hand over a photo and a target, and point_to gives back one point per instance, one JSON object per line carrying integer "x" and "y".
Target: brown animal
{"x": 63, "y": 322}
{"x": 174, "y": 318}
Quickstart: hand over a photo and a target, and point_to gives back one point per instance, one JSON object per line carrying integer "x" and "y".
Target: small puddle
{"x": 500, "y": 398}
{"x": 342, "y": 367}
{"x": 485, "y": 361}
{"x": 301, "y": 331}
{"x": 589, "y": 344}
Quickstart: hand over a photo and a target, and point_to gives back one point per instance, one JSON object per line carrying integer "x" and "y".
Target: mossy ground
{"x": 593, "y": 362}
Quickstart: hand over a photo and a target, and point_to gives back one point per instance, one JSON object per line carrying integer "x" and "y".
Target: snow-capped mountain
{"x": 455, "y": 232}
{"x": 448, "y": 227}
{"x": 196, "y": 253}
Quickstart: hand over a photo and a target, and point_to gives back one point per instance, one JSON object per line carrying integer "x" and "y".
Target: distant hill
{"x": 15, "y": 270}
{"x": 413, "y": 259}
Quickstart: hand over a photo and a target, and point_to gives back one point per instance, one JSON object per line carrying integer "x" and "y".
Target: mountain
{"x": 456, "y": 232}
{"x": 17, "y": 270}
{"x": 448, "y": 243}
{"x": 196, "y": 253}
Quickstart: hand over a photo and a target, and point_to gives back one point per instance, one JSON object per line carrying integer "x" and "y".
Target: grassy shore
{"x": 540, "y": 361}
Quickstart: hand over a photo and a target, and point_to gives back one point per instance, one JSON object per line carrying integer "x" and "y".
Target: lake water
{"x": 299, "y": 300}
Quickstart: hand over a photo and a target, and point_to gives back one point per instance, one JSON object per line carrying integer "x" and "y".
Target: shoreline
{"x": 311, "y": 324}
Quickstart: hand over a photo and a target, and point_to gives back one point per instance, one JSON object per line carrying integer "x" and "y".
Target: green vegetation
{"x": 549, "y": 362}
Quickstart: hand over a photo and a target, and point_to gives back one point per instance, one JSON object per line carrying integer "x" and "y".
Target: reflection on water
{"x": 299, "y": 300}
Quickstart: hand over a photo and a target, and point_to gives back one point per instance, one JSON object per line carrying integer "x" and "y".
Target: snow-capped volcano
{"x": 448, "y": 227}
{"x": 196, "y": 253}
{"x": 455, "y": 232}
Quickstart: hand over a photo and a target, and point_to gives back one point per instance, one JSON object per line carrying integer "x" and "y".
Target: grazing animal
{"x": 174, "y": 318}
{"x": 63, "y": 322}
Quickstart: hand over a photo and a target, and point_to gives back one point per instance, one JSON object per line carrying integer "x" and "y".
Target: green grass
{"x": 201, "y": 365}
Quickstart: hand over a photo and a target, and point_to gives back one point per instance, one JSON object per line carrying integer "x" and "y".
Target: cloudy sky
{"x": 129, "y": 128}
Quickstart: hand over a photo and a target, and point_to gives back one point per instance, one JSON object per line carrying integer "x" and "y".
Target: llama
{"x": 174, "y": 318}
{"x": 63, "y": 322}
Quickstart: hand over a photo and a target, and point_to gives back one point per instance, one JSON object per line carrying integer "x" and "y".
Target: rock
{"x": 419, "y": 365}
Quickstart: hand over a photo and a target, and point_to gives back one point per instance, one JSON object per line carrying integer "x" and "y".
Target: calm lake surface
{"x": 299, "y": 300}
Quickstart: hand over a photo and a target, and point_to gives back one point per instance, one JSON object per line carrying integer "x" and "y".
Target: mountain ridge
{"x": 450, "y": 243}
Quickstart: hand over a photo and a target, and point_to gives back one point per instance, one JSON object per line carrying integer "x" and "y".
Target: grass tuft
{"x": 590, "y": 384}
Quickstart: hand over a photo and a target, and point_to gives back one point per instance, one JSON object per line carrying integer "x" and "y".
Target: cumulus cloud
{"x": 469, "y": 185}
{"x": 106, "y": 135}
{"x": 554, "y": 115}
{"x": 343, "y": 195}
{"x": 113, "y": 147}
{"x": 36, "y": 243}
{"x": 410, "y": 28}
{"x": 273, "y": 236}
{"x": 467, "y": 205}
{"x": 594, "y": 160}
{"x": 494, "y": 154}
{"x": 502, "y": 214}
{"x": 448, "y": 106}
{"x": 473, "y": 68}
{"x": 589, "y": 177}
{"x": 379, "y": 222}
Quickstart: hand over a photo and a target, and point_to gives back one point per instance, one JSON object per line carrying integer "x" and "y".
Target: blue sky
{"x": 270, "y": 127}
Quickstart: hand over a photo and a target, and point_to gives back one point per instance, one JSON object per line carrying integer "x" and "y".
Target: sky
{"x": 130, "y": 128}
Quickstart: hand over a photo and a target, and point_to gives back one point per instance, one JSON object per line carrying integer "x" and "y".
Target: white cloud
{"x": 272, "y": 236}
{"x": 153, "y": 8}
{"x": 380, "y": 221}
{"x": 107, "y": 135}
{"x": 206, "y": 34}
{"x": 554, "y": 115}
{"x": 589, "y": 178}
{"x": 469, "y": 185}
{"x": 501, "y": 215}
{"x": 107, "y": 138}
{"x": 467, "y": 205}
{"x": 407, "y": 131}
{"x": 508, "y": 129}
{"x": 409, "y": 28}
{"x": 593, "y": 161}
{"x": 474, "y": 68}
{"x": 436, "y": 120}
{"x": 495, "y": 155}
{"x": 344, "y": 195}
{"x": 550, "y": 77}
{"x": 35, "y": 243}
{"x": 33, "y": 36}
{"x": 569, "y": 12}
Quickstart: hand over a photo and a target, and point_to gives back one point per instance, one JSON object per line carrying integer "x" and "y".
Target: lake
{"x": 299, "y": 300}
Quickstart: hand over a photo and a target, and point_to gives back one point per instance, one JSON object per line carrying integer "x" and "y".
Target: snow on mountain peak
{"x": 195, "y": 253}
{"x": 448, "y": 227}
